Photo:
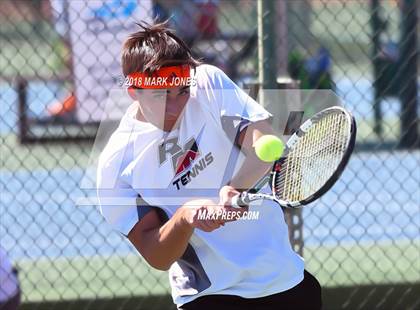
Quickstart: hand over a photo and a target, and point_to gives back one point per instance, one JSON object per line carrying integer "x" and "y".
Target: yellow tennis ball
{"x": 269, "y": 148}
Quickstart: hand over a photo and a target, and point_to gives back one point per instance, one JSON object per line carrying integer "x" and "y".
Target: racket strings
{"x": 314, "y": 158}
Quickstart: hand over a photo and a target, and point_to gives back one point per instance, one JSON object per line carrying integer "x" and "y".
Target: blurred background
{"x": 58, "y": 62}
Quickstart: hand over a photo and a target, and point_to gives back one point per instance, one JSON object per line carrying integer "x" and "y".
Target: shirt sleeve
{"x": 120, "y": 205}
{"x": 235, "y": 108}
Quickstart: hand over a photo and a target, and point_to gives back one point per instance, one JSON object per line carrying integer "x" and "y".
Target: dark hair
{"x": 153, "y": 47}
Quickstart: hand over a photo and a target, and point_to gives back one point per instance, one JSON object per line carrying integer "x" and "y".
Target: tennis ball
{"x": 269, "y": 148}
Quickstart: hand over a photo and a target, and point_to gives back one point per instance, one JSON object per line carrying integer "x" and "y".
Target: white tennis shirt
{"x": 249, "y": 258}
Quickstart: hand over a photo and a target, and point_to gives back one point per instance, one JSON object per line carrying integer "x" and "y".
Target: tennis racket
{"x": 313, "y": 160}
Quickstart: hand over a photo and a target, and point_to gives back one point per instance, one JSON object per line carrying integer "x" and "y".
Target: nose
{"x": 173, "y": 105}
{"x": 170, "y": 101}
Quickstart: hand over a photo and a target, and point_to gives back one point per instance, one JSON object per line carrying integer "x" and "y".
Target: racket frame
{"x": 246, "y": 197}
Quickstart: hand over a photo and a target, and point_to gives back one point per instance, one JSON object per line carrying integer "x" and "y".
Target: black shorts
{"x": 304, "y": 296}
{"x": 12, "y": 304}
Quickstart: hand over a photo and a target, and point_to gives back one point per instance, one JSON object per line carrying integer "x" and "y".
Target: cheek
{"x": 182, "y": 101}
{"x": 153, "y": 114}
{"x": 175, "y": 104}
{"x": 152, "y": 105}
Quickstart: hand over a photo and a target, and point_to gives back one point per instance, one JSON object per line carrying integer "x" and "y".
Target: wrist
{"x": 183, "y": 218}
{"x": 231, "y": 186}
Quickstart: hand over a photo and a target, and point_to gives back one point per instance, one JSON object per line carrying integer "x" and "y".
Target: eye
{"x": 184, "y": 92}
{"x": 159, "y": 95}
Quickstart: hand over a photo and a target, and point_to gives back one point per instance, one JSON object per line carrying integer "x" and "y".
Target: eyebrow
{"x": 183, "y": 88}
{"x": 169, "y": 90}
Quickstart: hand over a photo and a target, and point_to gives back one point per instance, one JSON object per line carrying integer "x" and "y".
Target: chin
{"x": 169, "y": 125}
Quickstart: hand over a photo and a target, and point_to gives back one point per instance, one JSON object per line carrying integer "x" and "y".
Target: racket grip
{"x": 240, "y": 201}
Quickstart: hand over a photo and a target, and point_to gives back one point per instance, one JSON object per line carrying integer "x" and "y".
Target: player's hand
{"x": 226, "y": 194}
{"x": 199, "y": 214}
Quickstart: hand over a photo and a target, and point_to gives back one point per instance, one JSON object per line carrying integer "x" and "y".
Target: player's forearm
{"x": 167, "y": 243}
{"x": 251, "y": 171}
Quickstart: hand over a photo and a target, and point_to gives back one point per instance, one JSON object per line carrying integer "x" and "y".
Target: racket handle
{"x": 241, "y": 200}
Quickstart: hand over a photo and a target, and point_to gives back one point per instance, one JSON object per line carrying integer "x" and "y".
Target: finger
{"x": 209, "y": 225}
{"x": 223, "y": 195}
{"x": 227, "y": 193}
{"x": 216, "y": 213}
{"x": 220, "y": 221}
{"x": 230, "y": 215}
{"x": 236, "y": 213}
{"x": 224, "y": 199}
{"x": 241, "y": 209}
{"x": 228, "y": 201}
{"x": 213, "y": 225}
{"x": 202, "y": 226}
{"x": 233, "y": 192}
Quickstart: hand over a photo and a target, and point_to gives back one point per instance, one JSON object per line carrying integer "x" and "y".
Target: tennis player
{"x": 181, "y": 152}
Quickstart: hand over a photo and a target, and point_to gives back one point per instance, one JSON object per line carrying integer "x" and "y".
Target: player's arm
{"x": 161, "y": 244}
{"x": 253, "y": 169}
{"x": 229, "y": 103}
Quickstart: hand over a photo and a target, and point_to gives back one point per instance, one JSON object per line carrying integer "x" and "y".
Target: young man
{"x": 184, "y": 149}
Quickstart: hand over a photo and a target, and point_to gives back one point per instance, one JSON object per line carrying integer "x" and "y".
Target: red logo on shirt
{"x": 185, "y": 161}
{"x": 182, "y": 158}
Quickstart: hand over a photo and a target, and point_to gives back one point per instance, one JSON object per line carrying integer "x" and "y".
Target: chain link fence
{"x": 361, "y": 240}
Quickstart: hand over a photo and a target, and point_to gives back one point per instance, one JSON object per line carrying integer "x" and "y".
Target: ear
{"x": 132, "y": 93}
